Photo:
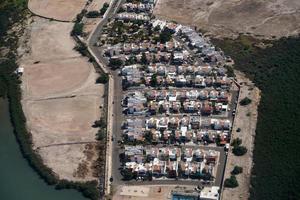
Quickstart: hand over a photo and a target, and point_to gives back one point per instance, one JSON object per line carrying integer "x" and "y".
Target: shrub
{"x": 165, "y": 35}
{"x": 81, "y": 48}
{"x": 101, "y": 134}
{"x": 103, "y": 78}
{"x": 115, "y": 63}
{"x": 237, "y": 170}
{"x": 77, "y": 29}
{"x": 236, "y": 142}
{"x": 246, "y": 101}
{"x": 93, "y": 14}
{"x": 239, "y": 150}
{"x": 231, "y": 182}
{"x": 104, "y": 8}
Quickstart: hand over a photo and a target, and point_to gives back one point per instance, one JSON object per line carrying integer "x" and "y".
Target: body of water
{"x": 17, "y": 179}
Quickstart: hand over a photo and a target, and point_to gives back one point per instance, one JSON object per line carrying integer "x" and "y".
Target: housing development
{"x": 175, "y": 104}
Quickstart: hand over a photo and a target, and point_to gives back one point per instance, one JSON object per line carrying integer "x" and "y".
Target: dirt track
{"x": 228, "y": 18}
{"x": 60, "y": 98}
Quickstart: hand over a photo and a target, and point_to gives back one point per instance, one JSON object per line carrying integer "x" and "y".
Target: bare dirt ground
{"x": 63, "y": 10}
{"x": 60, "y": 98}
{"x": 228, "y": 18}
{"x": 147, "y": 192}
{"x": 90, "y": 23}
{"x": 246, "y": 118}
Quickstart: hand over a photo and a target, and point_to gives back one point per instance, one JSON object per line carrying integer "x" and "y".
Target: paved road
{"x": 117, "y": 116}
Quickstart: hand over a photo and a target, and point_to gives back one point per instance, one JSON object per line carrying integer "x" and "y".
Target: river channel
{"x": 18, "y": 181}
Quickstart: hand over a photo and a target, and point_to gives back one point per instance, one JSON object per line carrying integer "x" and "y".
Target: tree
{"x": 93, "y": 14}
{"x": 115, "y": 63}
{"x": 104, "y": 8}
{"x": 237, "y": 170}
{"x": 144, "y": 59}
{"x": 236, "y": 142}
{"x": 239, "y": 150}
{"x": 153, "y": 81}
{"x": 77, "y": 29}
{"x": 246, "y": 101}
{"x": 165, "y": 35}
{"x": 101, "y": 134}
{"x": 103, "y": 78}
{"x": 231, "y": 182}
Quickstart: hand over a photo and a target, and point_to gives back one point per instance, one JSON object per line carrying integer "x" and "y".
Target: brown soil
{"x": 64, "y": 10}
{"x": 228, "y": 18}
{"x": 246, "y": 118}
{"x": 60, "y": 99}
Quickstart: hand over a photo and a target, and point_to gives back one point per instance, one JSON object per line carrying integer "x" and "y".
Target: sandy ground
{"x": 147, "y": 192}
{"x": 64, "y": 10}
{"x": 227, "y": 18}
{"x": 60, "y": 98}
{"x": 90, "y": 23}
{"x": 246, "y": 118}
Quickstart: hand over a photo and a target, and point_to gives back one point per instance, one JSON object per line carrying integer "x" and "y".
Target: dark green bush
{"x": 93, "y": 14}
{"x": 239, "y": 150}
{"x": 245, "y": 101}
{"x": 231, "y": 182}
{"x": 77, "y": 29}
{"x": 237, "y": 170}
{"x": 236, "y": 142}
{"x": 103, "y": 78}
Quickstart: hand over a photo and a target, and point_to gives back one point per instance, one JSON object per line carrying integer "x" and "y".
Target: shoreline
{"x": 18, "y": 120}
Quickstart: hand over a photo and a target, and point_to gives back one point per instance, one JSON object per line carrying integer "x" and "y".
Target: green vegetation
{"x": 237, "y": 170}
{"x": 104, "y": 8}
{"x": 81, "y": 48}
{"x": 231, "y": 182}
{"x": 245, "y": 101}
{"x": 12, "y": 11}
{"x": 77, "y": 29}
{"x": 165, "y": 35}
{"x": 239, "y": 150}
{"x": 115, "y": 63}
{"x": 236, "y": 142}
{"x": 103, "y": 78}
{"x": 275, "y": 70}
{"x": 93, "y": 14}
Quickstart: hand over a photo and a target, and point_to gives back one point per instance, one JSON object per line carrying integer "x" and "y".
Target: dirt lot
{"x": 75, "y": 155}
{"x": 227, "y": 18}
{"x": 246, "y": 118}
{"x": 64, "y": 10}
{"x": 147, "y": 192}
{"x": 60, "y": 98}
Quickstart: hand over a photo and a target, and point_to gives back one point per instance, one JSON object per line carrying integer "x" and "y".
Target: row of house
{"x": 132, "y": 16}
{"x": 153, "y": 102}
{"x": 170, "y": 162}
{"x": 187, "y": 123}
{"x": 137, "y": 7}
{"x": 147, "y": 46}
{"x": 177, "y": 130}
{"x": 193, "y": 94}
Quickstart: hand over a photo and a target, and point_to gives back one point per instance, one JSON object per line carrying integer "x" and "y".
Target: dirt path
{"x": 245, "y": 119}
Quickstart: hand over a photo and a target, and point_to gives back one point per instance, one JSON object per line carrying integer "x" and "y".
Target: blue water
{"x": 17, "y": 179}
